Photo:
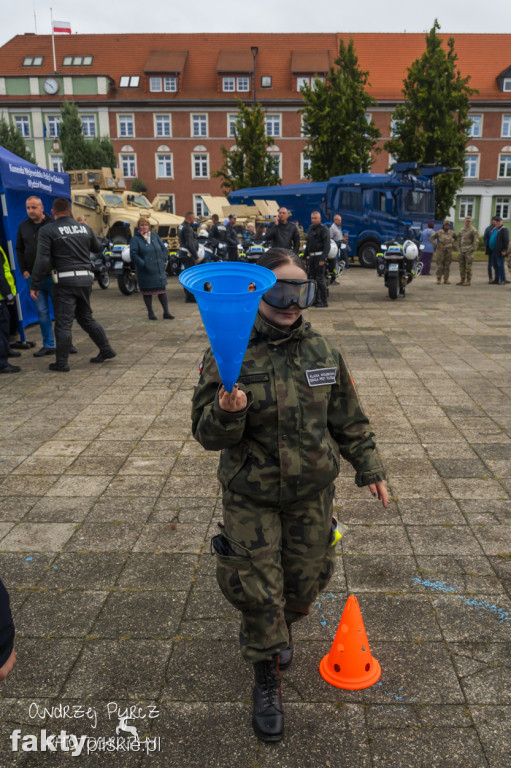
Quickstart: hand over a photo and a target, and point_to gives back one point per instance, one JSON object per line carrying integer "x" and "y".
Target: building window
{"x": 506, "y": 84}
{"x": 22, "y": 123}
{"x": 504, "y": 166}
{"x": 243, "y": 84}
{"x": 126, "y": 125}
{"x": 164, "y": 165}
{"x": 162, "y": 125}
{"x": 467, "y": 207}
{"x": 228, "y": 84}
{"x": 231, "y": 120}
{"x": 310, "y": 80}
{"x": 33, "y": 61}
{"x": 506, "y": 126}
{"x": 200, "y": 166}
{"x": 266, "y": 81}
{"x": 56, "y": 163}
{"x": 393, "y": 126}
{"x": 273, "y": 125}
{"x": 77, "y": 61}
{"x": 88, "y": 125}
{"x": 199, "y": 206}
{"x": 305, "y": 163}
{"x": 155, "y": 84}
{"x": 471, "y": 166}
{"x": 276, "y": 155}
{"x": 476, "y": 126}
{"x": 170, "y": 84}
{"x": 128, "y": 165}
{"x": 502, "y": 207}
{"x": 53, "y": 122}
{"x": 129, "y": 81}
{"x": 199, "y": 125}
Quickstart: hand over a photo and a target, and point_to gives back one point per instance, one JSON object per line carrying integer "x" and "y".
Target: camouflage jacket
{"x": 285, "y": 444}
{"x": 443, "y": 239}
{"x": 468, "y": 239}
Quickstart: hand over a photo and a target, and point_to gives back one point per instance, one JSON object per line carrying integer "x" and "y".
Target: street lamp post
{"x": 255, "y": 51}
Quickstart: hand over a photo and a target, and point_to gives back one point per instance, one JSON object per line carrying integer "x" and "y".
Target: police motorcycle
{"x": 123, "y": 269}
{"x": 253, "y": 252}
{"x": 100, "y": 264}
{"x": 214, "y": 250}
{"x": 334, "y": 267}
{"x": 398, "y": 263}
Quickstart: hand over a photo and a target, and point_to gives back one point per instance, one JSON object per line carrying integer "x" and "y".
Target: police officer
{"x": 443, "y": 240}
{"x": 64, "y": 247}
{"x": 188, "y": 247}
{"x": 468, "y": 240}
{"x": 217, "y": 232}
{"x": 283, "y": 233}
{"x": 7, "y": 294}
{"x": 231, "y": 238}
{"x": 317, "y": 249}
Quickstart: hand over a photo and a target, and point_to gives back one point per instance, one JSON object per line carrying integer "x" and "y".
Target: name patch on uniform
{"x": 321, "y": 376}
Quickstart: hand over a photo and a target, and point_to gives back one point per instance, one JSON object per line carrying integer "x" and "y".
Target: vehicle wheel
{"x": 127, "y": 284}
{"x": 393, "y": 287}
{"x": 173, "y": 267}
{"x": 367, "y": 254}
{"x": 104, "y": 280}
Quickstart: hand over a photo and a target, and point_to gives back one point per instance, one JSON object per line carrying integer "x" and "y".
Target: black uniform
{"x": 318, "y": 248}
{"x": 231, "y": 238}
{"x": 64, "y": 246}
{"x": 283, "y": 236}
{"x": 218, "y": 233}
{"x": 26, "y": 242}
{"x": 188, "y": 250}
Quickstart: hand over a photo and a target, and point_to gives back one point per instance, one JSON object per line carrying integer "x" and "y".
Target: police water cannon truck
{"x": 375, "y": 207}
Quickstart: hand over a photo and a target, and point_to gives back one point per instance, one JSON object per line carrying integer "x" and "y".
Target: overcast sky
{"x": 258, "y": 16}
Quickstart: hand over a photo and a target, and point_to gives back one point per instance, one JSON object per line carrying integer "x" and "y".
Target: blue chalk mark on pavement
{"x": 441, "y": 586}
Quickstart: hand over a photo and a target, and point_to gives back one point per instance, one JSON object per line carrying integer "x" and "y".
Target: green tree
{"x": 431, "y": 125}
{"x": 137, "y": 185}
{"x": 339, "y": 138}
{"x": 12, "y": 140}
{"x": 249, "y": 164}
{"x": 77, "y": 151}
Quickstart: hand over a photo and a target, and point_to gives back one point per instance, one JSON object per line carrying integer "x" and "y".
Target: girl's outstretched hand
{"x": 232, "y": 401}
{"x": 379, "y": 490}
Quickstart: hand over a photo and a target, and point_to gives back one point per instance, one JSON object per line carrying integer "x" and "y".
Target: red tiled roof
{"x": 235, "y": 61}
{"x": 165, "y": 61}
{"x": 385, "y": 55}
{"x": 309, "y": 61}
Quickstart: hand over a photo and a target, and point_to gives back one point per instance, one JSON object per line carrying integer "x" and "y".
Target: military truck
{"x": 101, "y": 198}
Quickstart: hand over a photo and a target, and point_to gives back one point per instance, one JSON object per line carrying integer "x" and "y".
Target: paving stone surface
{"x": 107, "y": 507}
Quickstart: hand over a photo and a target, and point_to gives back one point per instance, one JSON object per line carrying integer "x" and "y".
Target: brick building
{"x": 167, "y": 101}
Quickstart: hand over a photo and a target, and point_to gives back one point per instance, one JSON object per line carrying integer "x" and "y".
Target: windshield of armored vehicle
{"x": 142, "y": 201}
{"x": 418, "y": 201}
{"x": 115, "y": 201}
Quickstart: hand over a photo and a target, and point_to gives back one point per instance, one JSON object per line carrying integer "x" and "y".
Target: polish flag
{"x": 62, "y": 27}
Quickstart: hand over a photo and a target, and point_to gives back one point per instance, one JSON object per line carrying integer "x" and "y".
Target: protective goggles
{"x": 287, "y": 292}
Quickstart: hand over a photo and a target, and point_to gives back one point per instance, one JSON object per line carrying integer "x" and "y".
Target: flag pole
{"x": 53, "y": 42}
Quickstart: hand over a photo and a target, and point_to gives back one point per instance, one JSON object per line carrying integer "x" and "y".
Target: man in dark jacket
{"x": 217, "y": 232}
{"x": 317, "y": 250}
{"x": 26, "y": 249}
{"x": 7, "y": 298}
{"x": 231, "y": 238}
{"x": 499, "y": 248}
{"x": 7, "y": 654}
{"x": 283, "y": 233}
{"x": 188, "y": 247}
{"x": 64, "y": 247}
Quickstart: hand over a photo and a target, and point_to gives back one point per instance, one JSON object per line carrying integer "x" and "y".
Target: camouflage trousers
{"x": 465, "y": 260}
{"x": 443, "y": 262}
{"x": 271, "y": 564}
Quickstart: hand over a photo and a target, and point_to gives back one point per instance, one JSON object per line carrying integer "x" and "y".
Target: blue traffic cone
{"x": 228, "y": 295}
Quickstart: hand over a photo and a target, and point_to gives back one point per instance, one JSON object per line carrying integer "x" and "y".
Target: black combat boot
{"x": 268, "y": 717}
{"x": 286, "y": 656}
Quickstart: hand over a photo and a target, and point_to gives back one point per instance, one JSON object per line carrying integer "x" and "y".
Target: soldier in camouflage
{"x": 468, "y": 240}
{"x": 443, "y": 240}
{"x": 281, "y": 431}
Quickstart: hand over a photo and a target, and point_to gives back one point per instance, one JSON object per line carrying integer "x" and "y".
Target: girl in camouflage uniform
{"x": 281, "y": 431}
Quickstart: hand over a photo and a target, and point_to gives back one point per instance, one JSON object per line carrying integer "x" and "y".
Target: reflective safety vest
{"x": 7, "y": 272}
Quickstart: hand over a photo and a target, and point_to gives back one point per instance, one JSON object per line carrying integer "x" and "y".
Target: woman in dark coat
{"x": 149, "y": 258}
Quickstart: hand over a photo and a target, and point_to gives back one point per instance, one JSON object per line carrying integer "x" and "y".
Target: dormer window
{"x": 504, "y": 81}
{"x": 506, "y": 84}
{"x": 33, "y": 61}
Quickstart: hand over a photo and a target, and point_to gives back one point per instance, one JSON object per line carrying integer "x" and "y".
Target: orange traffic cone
{"x": 350, "y": 664}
